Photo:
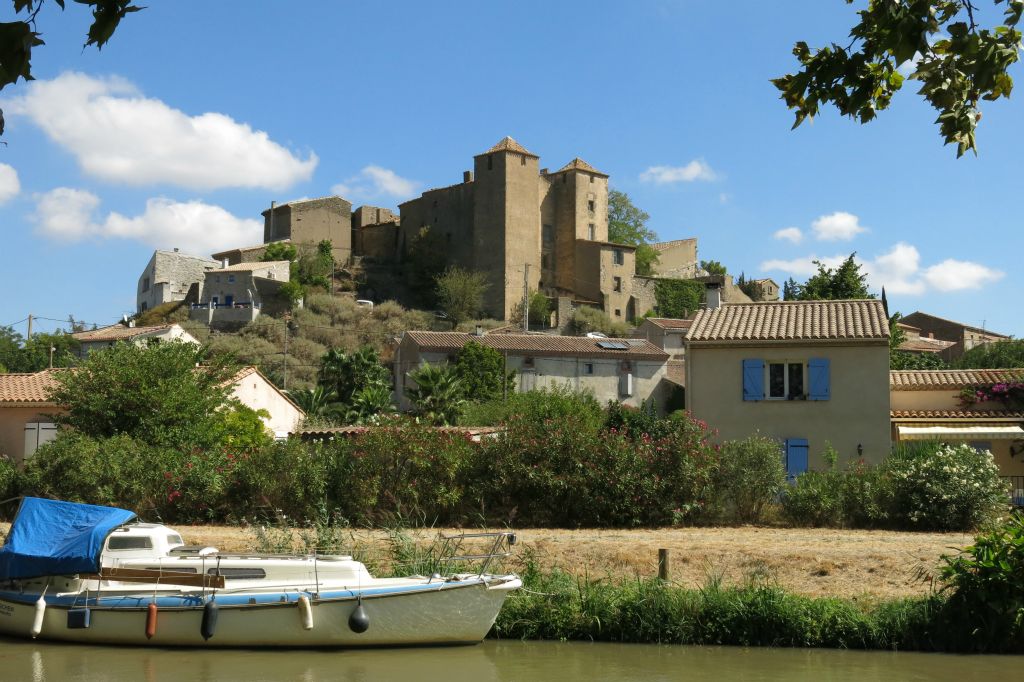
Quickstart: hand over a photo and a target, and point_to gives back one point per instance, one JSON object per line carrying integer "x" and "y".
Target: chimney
{"x": 467, "y": 176}
{"x": 931, "y": 335}
{"x": 479, "y": 330}
{"x": 713, "y": 297}
{"x": 175, "y": 249}
{"x": 543, "y": 171}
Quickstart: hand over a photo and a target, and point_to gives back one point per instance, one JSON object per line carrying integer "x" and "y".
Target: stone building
{"x": 963, "y": 336}
{"x": 677, "y": 259}
{"x": 311, "y": 221}
{"x": 169, "y": 276}
{"x": 234, "y": 295}
{"x": 524, "y": 225}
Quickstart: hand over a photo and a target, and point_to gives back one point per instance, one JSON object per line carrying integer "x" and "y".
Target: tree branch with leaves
{"x": 957, "y": 62}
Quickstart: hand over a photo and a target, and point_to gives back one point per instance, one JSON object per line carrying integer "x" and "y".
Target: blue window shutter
{"x": 819, "y": 380}
{"x": 796, "y": 456}
{"x": 753, "y": 379}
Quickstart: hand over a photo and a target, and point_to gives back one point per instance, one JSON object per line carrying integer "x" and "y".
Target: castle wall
{"x": 312, "y": 221}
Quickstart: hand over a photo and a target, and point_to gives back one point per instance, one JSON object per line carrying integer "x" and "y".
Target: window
{"x": 785, "y": 380}
{"x": 522, "y": 160}
{"x": 145, "y": 283}
{"x": 127, "y": 542}
{"x": 545, "y": 261}
{"x": 590, "y": 205}
{"x": 591, "y": 232}
{"x": 617, "y": 284}
{"x": 617, "y": 257}
{"x": 490, "y": 162}
{"x": 591, "y": 179}
{"x": 231, "y": 279}
{"x": 588, "y": 368}
{"x": 244, "y": 573}
{"x": 548, "y": 233}
{"x": 618, "y": 312}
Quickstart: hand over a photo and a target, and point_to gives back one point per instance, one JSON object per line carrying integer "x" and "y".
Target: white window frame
{"x": 785, "y": 379}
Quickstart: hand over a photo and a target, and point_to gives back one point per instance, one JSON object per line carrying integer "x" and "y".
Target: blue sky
{"x": 197, "y": 114}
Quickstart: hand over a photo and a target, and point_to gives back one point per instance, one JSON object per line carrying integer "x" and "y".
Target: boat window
{"x": 175, "y": 569}
{"x": 129, "y": 542}
{"x": 174, "y": 539}
{"x": 239, "y": 573}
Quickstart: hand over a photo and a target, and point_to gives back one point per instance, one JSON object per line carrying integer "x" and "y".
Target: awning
{"x": 956, "y": 432}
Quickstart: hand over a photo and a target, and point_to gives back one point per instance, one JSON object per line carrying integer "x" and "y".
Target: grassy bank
{"x": 562, "y": 607}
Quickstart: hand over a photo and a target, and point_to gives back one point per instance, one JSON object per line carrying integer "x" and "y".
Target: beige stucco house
{"x": 926, "y": 405}
{"x": 807, "y": 373}
{"x": 627, "y": 370}
{"x": 26, "y": 412}
{"x": 104, "y": 337}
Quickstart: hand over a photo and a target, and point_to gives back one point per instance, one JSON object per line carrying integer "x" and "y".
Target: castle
{"x": 525, "y": 227}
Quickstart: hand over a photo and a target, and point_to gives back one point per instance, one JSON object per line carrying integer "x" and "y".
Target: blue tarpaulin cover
{"x": 50, "y": 537}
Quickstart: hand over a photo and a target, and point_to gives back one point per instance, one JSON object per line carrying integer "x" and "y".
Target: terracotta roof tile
{"x": 507, "y": 144}
{"x": 579, "y": 164}
{"x": 951, "y": 379}
{"x": 792, "y": 321}
{"x": 540, "y": 345}
{"x": 670, "y": 323}
{"x": 22, "y": 388}
{"x": 979, "y": 415}
{"x": 247, "y": 267}
{"x": 926, "y": 345}
{"x": 119, "y": 332}
{"x": 918, "y": 315}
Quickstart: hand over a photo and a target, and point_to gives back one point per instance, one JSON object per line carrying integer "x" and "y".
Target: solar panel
{"x": 612, "y": 345}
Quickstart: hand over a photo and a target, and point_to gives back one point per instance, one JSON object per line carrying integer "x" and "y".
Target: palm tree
{"x": 368, "y": 403}
{"x": 438, "y": 396}
{"x": 313, "y": 401}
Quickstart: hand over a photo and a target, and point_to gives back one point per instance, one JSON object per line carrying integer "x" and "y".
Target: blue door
{"x": 796, "y": 457}
{"x": 229, "y": 301}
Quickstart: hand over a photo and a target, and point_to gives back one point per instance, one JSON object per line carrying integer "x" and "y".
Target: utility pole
{"x": 526, "y": 298}
{"x": 287, "y": 326}
{"x": 28, "y": 337}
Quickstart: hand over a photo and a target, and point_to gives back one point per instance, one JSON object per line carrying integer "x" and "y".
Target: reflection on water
{"x": 25, "y": 661}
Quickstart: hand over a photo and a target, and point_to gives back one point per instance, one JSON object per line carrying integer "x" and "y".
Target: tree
{"x": 846, "y": 281}
{"x": 279, "y": 251}
{"x": 315, "y": 267}
{"x": 424, "y": 261}
{"x": 627, "y": 224}
{"x": 346, "y": 375}
{"x": 17, "y": 38}
{"x": 677, "y": 298}
{"x": 438, "y": 397}
{"x": 539, "y": 307}
{"x": 313, "y": 401}
{"x": 712, "y": 267}
{"x": 10, "y": 349}
{"x": 902, "y": 359}
{"x": 956, "y": 61}
{"x": 999, "y": 355}
{"x": 482, "y": 373}
{"x": 460, "y": 293}
{"x": 790, "y": 290}
{"x": 164, "y": 395}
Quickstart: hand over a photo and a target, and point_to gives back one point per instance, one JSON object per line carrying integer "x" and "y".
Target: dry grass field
{"x": 809, "y": 561}
{"x": 813, "y": 562}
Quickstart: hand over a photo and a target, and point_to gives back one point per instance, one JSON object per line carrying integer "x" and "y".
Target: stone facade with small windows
{"x": 521, "y": 224}
{"x": 235, "y": 295}
{"x": 169, "y": 276}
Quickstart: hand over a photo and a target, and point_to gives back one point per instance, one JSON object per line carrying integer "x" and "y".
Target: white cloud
{"x": 790, "y": 234}
{"x": 838, "y": 226}
{"x": 957, "y": 275}
{"x": 68, "y": 215}
{"x": 120, "y": 136}
{"x": 697, "y": 169}
{"x": 65, "y": 214}
{"x": 374, "y": 182}
{"x": 899, "y": 271}
{"x": 9, "y": 185}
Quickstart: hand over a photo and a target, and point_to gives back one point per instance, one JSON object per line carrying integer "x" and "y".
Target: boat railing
{"x": 497, "y": 545}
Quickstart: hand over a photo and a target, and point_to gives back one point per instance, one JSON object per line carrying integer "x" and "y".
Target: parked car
{"x": 364, "y": 303}
{"x": 596, "y": 335}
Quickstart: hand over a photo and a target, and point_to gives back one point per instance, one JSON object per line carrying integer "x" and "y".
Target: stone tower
{"x": 506, "y": 222}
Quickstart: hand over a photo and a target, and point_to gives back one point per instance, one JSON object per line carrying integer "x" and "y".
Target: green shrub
{"x": 987, "y": 581}
{"x": 815, "y": 499}
{"x": 750, "y": 476}
{"x": 586, "y": 319}
{"x": 934, "y": 486}
{"x": 536, "y": 407}
{"x": 9, "y": 479}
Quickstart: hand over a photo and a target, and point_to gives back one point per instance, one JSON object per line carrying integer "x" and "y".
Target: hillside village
{"x": 333, "y": 279}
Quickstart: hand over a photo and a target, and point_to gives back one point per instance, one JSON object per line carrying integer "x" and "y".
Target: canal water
{"x": 28, "y": 661}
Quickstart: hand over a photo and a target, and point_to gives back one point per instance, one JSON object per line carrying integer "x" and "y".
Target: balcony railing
{"x": 238, "y": 305}
{"x": 1016, "y": 486}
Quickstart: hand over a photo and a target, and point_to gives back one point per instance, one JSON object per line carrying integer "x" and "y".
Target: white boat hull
{"x": 423, "y": 613}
